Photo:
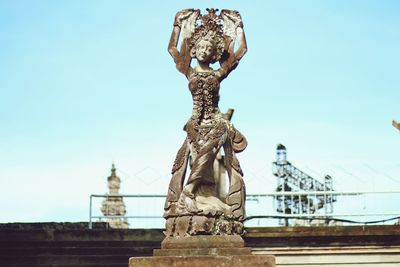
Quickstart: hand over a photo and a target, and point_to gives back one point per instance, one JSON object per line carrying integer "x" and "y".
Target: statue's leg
{"x": 178, "y": 176}
{"x": 203, "y": 163}
{"x": 236, "y": 195}
{"x": 201, "y": 172}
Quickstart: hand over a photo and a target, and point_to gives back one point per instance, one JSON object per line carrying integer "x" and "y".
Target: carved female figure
{"x": 205, "y": 38}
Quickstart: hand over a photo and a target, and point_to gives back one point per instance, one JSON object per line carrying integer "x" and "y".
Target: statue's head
{"x": 208, "y": 48}
{"x": 207, "y": 41}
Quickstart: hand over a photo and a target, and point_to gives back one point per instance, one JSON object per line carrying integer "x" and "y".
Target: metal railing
{"x": 91, "y": 217}
{"x": 260, "y": 206}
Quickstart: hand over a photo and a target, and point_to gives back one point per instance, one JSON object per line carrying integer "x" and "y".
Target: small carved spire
{"x": 114, "y": 206}
{"x": 113, "y": 170}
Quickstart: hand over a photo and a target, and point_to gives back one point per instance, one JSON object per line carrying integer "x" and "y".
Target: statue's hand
{"x": 233, "y": 16}
{"x": 184, "y": 15}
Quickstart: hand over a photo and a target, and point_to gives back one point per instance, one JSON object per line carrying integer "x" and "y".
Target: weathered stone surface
{"x": 182, "y": 225}
{"x": 203, "y": 241}
{"x": 202, "y": 261}
{"x": 202, "y": 252}
{"x": 202, "y": 224}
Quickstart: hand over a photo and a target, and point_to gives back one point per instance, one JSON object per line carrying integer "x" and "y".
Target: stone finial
{"x": 114, "y": 205}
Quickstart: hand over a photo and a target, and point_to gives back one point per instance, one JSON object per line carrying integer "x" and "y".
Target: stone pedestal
{"x": 203, "y": 251}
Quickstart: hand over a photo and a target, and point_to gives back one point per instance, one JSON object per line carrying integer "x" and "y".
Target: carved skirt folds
{"x": 202, "y": 145}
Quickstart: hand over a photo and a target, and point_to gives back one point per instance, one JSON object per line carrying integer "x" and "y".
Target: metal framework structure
{"x": 291, "y": 179}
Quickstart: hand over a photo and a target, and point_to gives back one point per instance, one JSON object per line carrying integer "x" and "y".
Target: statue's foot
{"x": 187, "y": 202}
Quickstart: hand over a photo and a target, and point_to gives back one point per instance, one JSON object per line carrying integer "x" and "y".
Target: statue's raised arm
{"x": 184, "y": 25}
{"x": 233, "y": 31}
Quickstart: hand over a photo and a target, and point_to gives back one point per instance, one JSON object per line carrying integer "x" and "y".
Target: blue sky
{"x": 84, "y": 83}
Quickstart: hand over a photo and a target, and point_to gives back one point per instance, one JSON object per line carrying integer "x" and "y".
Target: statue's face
{"x": 204, "y": 51}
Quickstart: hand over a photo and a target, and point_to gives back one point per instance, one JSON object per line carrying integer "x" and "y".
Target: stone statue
{"x": 195, "y": 207}
{"x": 203, "y": 221}
{"x": 114, "y": 206}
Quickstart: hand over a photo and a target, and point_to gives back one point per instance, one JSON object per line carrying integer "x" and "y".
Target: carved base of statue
{"x": 202, "y": 224}
{"x": 200, "y": 251}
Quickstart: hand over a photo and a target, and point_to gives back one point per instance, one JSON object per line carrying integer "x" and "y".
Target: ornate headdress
{"x": 210, "y": 29}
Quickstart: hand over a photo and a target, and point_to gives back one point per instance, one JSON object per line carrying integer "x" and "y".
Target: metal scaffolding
{"x": 291, "y": 179}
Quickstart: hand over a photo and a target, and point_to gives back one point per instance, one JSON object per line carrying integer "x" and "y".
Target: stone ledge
{"x": 201, "y": 261}
{"x": 324, "y": 231}
{"x": 202, "y": 252}
{"x": 203, "y": 241}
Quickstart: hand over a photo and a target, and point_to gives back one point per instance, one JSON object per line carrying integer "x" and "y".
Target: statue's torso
{"x": 204, "y": 87}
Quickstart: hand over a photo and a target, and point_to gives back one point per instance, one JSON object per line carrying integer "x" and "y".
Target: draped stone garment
{"x": 207, "y": 131}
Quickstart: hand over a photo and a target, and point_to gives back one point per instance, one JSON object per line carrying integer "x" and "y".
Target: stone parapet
{"x": 202, "y": 261}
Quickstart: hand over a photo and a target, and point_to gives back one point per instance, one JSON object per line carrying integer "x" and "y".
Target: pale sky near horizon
{"x": 85, "y": 83}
